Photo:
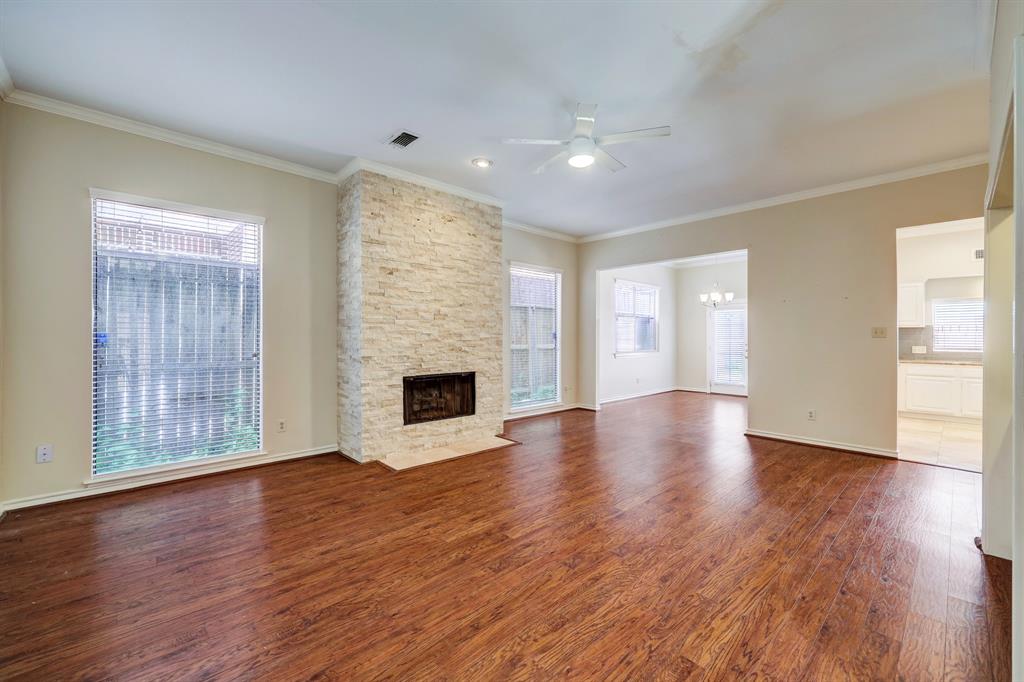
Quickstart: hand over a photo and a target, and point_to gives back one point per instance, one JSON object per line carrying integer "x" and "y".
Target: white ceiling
{"x": 766, "y": 97}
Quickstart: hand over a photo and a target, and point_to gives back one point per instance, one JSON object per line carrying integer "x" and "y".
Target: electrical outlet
{"x": 638, "y": 380}
{"x": 44, "y": 453}
{"x": 879, "y": 332}
{"x": 282, "y": 425}
{"x": 812, "y": 415}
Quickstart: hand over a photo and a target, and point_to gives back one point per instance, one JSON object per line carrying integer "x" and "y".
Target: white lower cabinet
{"x": 970, "y": 398}
{"x": 942, "y": 390}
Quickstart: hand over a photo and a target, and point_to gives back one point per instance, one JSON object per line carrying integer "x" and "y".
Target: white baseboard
{"x": 547, "y": 409}
{"x": 835, "y": 445}
{"x": 644, "y": 394}
{"x": 587, "y": 406}
{"x": 163, "y": 477}
{"x": 693, "y": 389}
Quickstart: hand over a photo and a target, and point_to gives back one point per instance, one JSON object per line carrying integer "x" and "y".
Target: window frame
{"x": 199, "y": 463}
{"x": 558, "y": 399}
{"x": 615, "y": 319}
{"x": 954, "y": 299}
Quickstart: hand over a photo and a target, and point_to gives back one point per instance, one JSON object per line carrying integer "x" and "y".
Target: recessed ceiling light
{"x": 481, "y": 162}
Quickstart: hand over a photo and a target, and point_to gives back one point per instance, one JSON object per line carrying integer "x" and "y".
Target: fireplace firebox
{"x": 429, "y": 397}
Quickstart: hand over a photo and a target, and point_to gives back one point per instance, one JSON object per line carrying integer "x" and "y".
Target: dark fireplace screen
{"x": 430, "y": 397}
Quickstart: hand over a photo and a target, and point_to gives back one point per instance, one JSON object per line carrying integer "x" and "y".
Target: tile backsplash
{"x": 922, "y": 336}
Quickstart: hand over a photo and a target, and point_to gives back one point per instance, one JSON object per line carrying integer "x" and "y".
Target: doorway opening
{"x": 678, "y": 324}
{"x": 940, "y": 315}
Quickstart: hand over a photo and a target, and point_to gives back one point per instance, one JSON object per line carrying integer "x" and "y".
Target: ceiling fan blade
{"x": 560, "y": 156}
{"x": 527, "y": 140}
{"x": 606, "y": 160}
{"x": 616, "y": 138}
{"x": 585, "y": 116}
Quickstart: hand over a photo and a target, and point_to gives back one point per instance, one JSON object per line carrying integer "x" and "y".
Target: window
{"x": 176, "y": 335}
{"x": 958, "y": 324}
{"x": 535, "y": 297}
{"x": 729, "y": 346}
{"x": 636, "y": 317}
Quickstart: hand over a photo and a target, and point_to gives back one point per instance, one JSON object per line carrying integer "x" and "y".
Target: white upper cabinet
{"x": 910, "y": 305}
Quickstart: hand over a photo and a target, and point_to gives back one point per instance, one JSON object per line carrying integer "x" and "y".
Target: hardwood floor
{"x": 649, "y": 541}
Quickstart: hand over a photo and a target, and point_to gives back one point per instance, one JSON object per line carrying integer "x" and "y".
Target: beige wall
{"x": 821, "y": 274}
{"x": 532, "y": 249}
{"x": 49, "y": 163}
{"x": 692, "y": 343}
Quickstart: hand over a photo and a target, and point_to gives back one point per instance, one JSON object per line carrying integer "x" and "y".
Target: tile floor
{"x": 946, "y": 443}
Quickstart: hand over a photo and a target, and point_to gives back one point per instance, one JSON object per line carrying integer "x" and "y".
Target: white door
{"x": 727, "y": 349}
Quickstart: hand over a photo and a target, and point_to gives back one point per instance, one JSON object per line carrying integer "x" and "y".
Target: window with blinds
{"x": 176, "y": 336}
{"x": 534, "y": 312}
{"x": 636, "y": 317}
{"x": 729, "y": 329}
{"x": 958, "y": 325}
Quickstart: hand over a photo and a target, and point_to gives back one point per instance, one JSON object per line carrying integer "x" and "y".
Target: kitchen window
{"x": 958, "y": 325}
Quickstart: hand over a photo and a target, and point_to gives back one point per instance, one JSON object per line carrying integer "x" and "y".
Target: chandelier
{"x": 716, "y": 297}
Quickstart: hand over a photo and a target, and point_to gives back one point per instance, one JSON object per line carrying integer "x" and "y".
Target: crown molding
{"x": 127, "y": 125}
{"x": 863, "y": 183}
{"x": 6, "y": 84}
{"x": 359, "y": 163}
{"x": 541, "y": 232}
{"x": 709, "y": 259}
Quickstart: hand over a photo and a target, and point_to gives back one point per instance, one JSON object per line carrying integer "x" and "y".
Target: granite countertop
{"x": 972, "y": 363}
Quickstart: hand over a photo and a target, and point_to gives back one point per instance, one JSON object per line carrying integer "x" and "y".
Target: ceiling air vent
{"x": 979, "y": 254}
{"x": 403, "y": 138}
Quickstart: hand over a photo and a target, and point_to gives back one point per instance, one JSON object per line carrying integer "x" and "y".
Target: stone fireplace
{"x": 419, "y": 318}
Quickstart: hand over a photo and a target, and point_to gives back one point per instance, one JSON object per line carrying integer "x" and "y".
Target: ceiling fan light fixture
{"x": 581, "y": 160}
{"x": 581, "y": 152}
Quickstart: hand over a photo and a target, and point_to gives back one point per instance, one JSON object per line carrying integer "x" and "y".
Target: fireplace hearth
{"x": 430, "y": 397}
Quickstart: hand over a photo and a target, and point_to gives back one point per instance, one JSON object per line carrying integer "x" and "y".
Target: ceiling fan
{"x": 583, "y": 149}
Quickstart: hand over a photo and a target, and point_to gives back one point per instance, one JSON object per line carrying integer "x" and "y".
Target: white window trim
{"x": 144, "y": 473}
{"x": 558, "y": 399}
{"x": 657, "y": 320}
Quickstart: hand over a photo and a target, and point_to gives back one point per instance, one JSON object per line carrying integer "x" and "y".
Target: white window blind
{"x": 534, "y": 303}
{"x": 176, "y": 336}
{"x": 636, "y": 317}
{"x": 730, "y": 346}
{"x": 958, "y": 324}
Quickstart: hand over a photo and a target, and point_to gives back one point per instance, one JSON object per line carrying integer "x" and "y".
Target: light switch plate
{"x": 879, "y": 332}
{"x": 919, "y": 350}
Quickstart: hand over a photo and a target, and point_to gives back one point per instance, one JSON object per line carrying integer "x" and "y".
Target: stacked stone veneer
{"x": 419, "y": 292}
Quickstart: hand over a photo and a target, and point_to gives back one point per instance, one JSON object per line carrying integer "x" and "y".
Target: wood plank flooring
{"x": 649, "y": 541}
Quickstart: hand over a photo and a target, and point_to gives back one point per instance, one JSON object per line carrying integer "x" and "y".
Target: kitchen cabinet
{"x": 943, "y": 390}
{"x": 910, "y": 305}
{"x": 970, "y": 398}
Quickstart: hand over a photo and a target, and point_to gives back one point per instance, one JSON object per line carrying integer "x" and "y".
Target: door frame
{"x": 725, "y": 389}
